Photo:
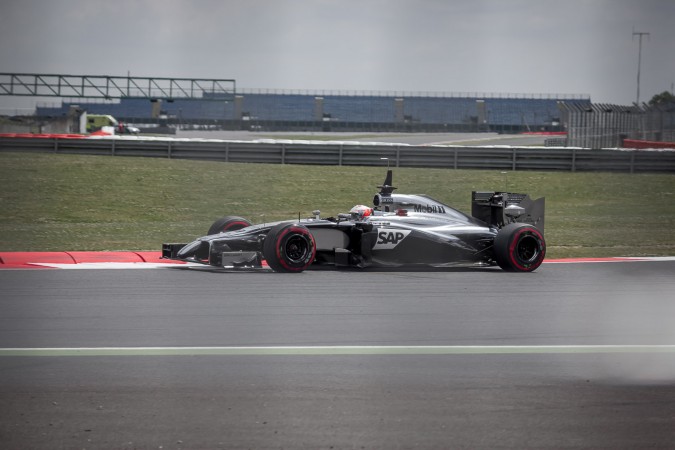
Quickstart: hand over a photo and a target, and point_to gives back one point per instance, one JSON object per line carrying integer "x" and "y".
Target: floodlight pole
{"x": 639, "y": 34}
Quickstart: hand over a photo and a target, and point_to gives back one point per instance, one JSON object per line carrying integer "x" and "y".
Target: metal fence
{"x": 606, "y": 126}
{"x": 353, "y": 154}
{"x": 658, "y": 124}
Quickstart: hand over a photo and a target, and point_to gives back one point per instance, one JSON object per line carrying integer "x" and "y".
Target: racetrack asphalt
{"x": 502, "y": 399}
{"x": 463, "y": 139}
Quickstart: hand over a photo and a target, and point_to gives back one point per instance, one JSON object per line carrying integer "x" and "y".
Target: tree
{"x": 664, "y": 98}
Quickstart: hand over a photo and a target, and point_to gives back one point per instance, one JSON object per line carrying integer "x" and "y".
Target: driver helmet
{"x": 360, "y": 212}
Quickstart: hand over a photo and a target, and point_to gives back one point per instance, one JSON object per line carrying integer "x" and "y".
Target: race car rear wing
{"x": 502, "y": 208}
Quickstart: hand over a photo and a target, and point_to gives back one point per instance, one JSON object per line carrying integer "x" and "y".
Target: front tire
{"x": 289, "y": 247}
{"x": 228, "y": 223}
{"x": 519, "y": 247}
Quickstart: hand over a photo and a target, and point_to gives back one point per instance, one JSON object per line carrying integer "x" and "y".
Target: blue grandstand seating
{"x": 440, "y": 110}
{"x": 283, "y": 107}
{"x": 360, "y": 109}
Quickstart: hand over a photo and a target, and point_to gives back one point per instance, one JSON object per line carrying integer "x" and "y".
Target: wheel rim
{"x": 297, "y": 249}
{"x": 528, "y": 249}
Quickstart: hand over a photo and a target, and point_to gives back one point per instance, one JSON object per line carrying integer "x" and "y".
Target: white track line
{"x": 339, "y": 350}
{"x": 159, "y": 265}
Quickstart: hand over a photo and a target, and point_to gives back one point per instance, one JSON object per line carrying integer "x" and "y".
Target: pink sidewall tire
{"x": 289, "y": 247}
{"x": 228, "y": 223}
{"x": 519, "y": 247}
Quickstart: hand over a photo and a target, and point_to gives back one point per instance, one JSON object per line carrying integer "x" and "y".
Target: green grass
{"x": 69, "y": 202}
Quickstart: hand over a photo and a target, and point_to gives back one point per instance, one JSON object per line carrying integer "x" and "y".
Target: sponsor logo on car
{"x": 432, "y": 209}
{"x": 388, "y": 238}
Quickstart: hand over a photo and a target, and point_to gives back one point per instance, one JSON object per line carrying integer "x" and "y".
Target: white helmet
{"x": 360, "y": 212}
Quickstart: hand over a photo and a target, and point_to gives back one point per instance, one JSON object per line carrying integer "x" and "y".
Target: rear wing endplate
{"x": 502, "y": 208}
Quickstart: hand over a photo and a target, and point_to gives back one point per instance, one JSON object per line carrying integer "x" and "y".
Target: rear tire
{"x": 228, "y": 223}
{"x": 519, "y": 247}
{"x": 289, "y": 247}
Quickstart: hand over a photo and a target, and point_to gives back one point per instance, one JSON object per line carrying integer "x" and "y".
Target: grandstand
{"x": 342, "y": 111}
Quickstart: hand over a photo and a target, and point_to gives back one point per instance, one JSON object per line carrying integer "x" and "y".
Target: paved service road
{"x": 463, "y": 139}
{"x": 489, "y": 391}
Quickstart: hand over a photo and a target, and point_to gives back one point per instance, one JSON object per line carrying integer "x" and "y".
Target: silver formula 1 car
{"x": 504, "y": 229}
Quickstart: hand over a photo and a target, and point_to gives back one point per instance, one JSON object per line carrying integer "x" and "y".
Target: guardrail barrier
{"x": 359, "y": 154}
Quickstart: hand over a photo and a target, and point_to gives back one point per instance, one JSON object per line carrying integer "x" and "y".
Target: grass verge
{"x": 70, "y": 202}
